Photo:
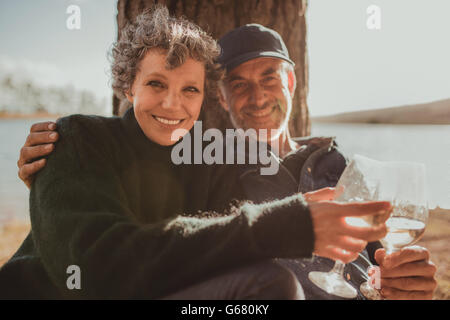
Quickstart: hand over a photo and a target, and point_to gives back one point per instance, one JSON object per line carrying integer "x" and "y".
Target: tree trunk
{"x": 217, "y": 17}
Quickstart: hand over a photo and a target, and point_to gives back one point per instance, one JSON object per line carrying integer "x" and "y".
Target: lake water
{"x": 429, "y": 144}
{"x": 13, "y": 193}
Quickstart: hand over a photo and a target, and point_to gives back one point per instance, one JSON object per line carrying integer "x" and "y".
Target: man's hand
{"x": 334, "y": 238}
{"x": 39, "y": 143}
{"x": 407, "y": 274}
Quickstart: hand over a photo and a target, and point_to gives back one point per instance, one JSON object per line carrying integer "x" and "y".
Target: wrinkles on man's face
{"x": 258, "y": 95}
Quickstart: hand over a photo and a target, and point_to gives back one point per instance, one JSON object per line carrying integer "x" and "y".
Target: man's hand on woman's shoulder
{"x": 39, "y": 143}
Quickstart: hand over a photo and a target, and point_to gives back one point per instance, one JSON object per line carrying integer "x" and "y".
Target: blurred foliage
{"x": 26, "y": 97}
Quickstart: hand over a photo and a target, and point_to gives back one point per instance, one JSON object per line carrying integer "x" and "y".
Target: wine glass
{"x": 406, "y": 226}
{"x": 364, "y": 179}
{"x": 409, "y": 216}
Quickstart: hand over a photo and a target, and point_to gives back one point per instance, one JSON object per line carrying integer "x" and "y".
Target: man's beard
{"x": 276, "y": 126}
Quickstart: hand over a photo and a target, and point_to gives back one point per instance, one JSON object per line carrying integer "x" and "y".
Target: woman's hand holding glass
{"x": 334, "y": 237}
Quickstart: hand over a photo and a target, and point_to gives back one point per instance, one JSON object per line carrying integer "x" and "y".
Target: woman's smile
{"x": 168, "y": 122}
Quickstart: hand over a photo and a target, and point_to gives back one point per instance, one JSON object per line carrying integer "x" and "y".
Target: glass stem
{"x": 338, "y": 268}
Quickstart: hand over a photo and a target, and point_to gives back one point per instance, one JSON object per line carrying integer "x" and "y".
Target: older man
{"x": 257, "y": 92}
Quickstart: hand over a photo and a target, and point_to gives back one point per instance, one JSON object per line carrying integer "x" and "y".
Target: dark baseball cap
{"x": 249, "y": 42}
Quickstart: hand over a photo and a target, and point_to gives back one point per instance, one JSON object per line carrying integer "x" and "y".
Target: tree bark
{"x": 217, "y": 17}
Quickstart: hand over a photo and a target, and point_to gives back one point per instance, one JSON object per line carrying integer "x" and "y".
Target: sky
{"x": 406, "y": 61}
{"x": 351, "y": 67}
{"x": 36, "y": 43}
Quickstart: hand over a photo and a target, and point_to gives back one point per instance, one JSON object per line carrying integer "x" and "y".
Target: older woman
{"x": 109, "y": 202}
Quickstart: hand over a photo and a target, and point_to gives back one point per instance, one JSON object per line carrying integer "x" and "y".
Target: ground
{"x": 436, "y": 239}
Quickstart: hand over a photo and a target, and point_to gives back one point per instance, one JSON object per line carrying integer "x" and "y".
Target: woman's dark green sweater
{"x": 112, "y": 202}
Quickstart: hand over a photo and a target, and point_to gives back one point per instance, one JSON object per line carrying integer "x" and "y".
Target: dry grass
{"x": 12, "y": 234}
{"x": 35, "y": 115}
{"x": 436, "y": 239}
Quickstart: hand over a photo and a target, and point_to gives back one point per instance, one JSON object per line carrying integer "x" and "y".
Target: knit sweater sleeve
{"x": 80, "y": 216}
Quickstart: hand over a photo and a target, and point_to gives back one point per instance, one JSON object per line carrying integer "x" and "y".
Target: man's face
{"x": 258, "y": 94}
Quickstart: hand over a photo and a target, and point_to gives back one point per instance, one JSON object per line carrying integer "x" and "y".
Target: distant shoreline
{"x": 439, "y": 210}
{"x": 435, "y": 112}
{"x": 34, "y": 115}
{"x": 320, "y": 120}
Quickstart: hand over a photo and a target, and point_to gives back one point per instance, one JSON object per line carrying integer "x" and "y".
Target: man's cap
{"x": 249, "y": 42}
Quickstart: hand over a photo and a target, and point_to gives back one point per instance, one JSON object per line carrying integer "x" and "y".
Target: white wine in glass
{"x": 406, "y": 226}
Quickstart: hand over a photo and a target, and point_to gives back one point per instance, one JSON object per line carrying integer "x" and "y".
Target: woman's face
{"x": 165, "y": 100}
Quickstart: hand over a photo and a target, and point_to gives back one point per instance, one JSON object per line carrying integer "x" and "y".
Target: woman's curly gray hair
{"x": 178, "y": 37}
